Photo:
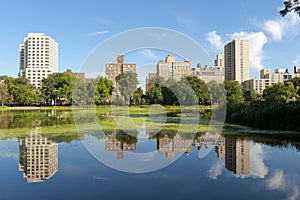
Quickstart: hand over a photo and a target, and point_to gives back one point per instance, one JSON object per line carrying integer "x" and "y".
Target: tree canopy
{"x": 290, "y": 6}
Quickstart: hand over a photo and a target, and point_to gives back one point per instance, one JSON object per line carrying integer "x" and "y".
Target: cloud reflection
{"x": 286, "y": 183}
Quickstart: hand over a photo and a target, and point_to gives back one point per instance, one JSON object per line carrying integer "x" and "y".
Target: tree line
{"x": 277, "y": 109}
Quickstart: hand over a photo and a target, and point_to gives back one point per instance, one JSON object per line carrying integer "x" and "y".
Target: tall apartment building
{"x": 114, "y": 69}
{"x": 38, "y": 158}
{"x": 237, "y": 60}
{"x": 172, "y": 69}
{"x": 267, "y": 78}
{"x": 38, "y": 57}
{"x": 237, "y": 155}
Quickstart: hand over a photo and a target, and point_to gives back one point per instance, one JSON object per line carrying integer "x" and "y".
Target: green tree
{"x": 137, "y": 96}
{"x": 126, "y": 85}
{"x": 250, "y": 94}
{"x": 58, "y": 87}
{"x": 154, "y": 94}
{"x": 103, "y": 91}
{"x": 200, "y": 88}
{"x": 234, "y": 91}
{"x": 80, "y": 95}
{"x": 4, "y": 95}
{"x": 217, "y": 92}
{"x": 296, "y": 83}
{"x": 280, "y": 92}
{"x": 290, "y": 6}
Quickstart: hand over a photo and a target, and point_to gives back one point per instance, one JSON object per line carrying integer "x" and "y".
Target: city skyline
{"x": 272, "y": 37}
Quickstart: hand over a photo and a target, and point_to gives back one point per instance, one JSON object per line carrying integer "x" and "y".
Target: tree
{"x": 200, "y": 88}
{"x": 80, "y": 95}
{"x": 4, "y": 95}
{"x": 103, "y": 91}
{"x": 296, "y": 83}
{"x": 249, "y": 94}
{"x": 154, "y": 94}
{"x": 58, "y": 87}
{"x": 126, "y": 85}
{"x": 217, "y": 92}
{"x": 23, "y": 93}
{"x": 137, "y": 96}
{"x": 280, "y": 92}
{"x": 290, "y": 6}
{"x": 234, "y": 91}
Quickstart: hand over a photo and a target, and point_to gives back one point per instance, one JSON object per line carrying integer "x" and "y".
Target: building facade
{"x": 38, "y": 57}
{"x": 237, "y": 60}
{"x": 112, "y": 70}
{"x": 38, "y": 158}
{"x": 172, "y": 69}
{"x": 208, "y": 74}
{"x": 112, "y": 144}
{"x": 267, "y": 78}
{"x": 149, "y": 78}
{"x": 237, "y": 156}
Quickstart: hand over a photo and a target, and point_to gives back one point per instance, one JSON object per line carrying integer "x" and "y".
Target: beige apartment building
{"x": 267, "y": 78}
{"x": 112, "y": 144}
{"x": 171, "y": 146}
{"x": 38, "y": 158}
{"x": 237, "y": 156}
{"x": 38, "y": 57}
{"x": 237, "y": 60}
{"x": 208, "y": 74}
{"x": 172, "y": 69}
{"x": 114, "y": 69}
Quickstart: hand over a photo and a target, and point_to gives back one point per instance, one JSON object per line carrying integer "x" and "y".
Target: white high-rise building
{"x": 38, "y": 57}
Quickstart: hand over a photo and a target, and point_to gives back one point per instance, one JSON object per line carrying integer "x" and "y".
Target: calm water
{"x": 37, "y": 165}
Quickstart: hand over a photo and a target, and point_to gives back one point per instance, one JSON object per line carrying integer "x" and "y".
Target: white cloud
{"x": 148, "y": 54}
{"x": 257, "y": 40}
{"x": 286, "y": 183}
{"x": 258, "y": 168}
{"x": 288, "y": 26}
{"x": 215, "y": 40}
{"x": 98, "y": 33}
{"x": 216, "y": 170}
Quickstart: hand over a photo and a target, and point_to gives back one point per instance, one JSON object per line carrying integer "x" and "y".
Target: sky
{"x": 79, "y": 26}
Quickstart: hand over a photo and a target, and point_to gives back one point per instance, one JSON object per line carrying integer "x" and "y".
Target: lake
{"x": 45, "y": 155}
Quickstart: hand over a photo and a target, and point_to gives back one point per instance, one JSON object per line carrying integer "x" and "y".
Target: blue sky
{"x": 79, "y": 27}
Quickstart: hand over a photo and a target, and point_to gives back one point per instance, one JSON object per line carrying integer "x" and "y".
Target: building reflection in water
{"x": 237, "y": 156}
{"x": 177, "y": 144}
{"x": 211, "y": 139}
{"x": 235, "y": 151}
{"x": 113, "y": 144}
{"x": 38, "y": 158}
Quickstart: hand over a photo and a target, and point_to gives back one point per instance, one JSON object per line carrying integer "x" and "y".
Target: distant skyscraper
{"x": 237, "y": 60}
{"x": 172, "y": 69}
{"x": 38, "y": 158}
{"x": 237, "y": 155}
{"x": 38, "y": 57}
{"x": 115, "y": 69}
